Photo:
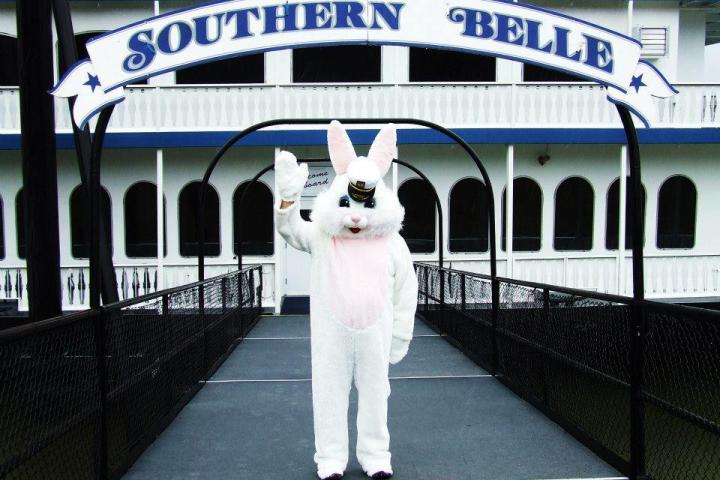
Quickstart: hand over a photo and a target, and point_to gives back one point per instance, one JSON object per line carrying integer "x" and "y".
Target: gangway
{"x": 449, "y": 419}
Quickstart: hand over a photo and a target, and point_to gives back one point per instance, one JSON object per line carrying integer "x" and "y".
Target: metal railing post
{"x": 495, "y": 314}
{"x": 441, "y": 296}
{"x": 462, "y": 292}
{"x": 546, "y": 318}
{"x": 637, "y": 407}
{"x": 223, "y": 290}
{"x": 240, "y": 303}
{"x": 201, "y": 308}
{"x": 101, "y": 445}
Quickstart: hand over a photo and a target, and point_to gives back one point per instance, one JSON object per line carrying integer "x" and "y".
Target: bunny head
{"x": 358, "y": 204}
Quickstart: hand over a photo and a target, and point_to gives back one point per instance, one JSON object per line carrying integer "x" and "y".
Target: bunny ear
{"x": 340, "y": 147}
{"x": 384, "y": 148}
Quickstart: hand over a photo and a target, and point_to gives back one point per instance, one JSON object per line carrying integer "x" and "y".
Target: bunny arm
{"x": 404, "y": 299}
{"x": 296, "y": 231}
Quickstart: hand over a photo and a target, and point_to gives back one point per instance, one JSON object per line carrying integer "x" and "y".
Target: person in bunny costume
{"x": 363, "y": 295}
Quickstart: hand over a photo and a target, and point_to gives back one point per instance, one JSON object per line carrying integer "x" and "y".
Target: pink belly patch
{"x": 358, "y": 279}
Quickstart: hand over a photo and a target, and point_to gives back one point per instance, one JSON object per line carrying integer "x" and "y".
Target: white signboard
{"x": 238, "y": 27}
{"x": 318, "y": 181}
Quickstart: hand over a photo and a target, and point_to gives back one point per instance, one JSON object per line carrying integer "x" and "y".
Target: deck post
{"x": 637, "y": 321}
{"x": 39, "y": 164}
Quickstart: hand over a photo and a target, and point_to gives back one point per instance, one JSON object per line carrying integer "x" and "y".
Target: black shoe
{"x": 381, "y": 475}
{"x": 337, "y": 476}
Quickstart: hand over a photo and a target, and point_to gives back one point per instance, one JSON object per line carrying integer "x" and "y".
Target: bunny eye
{"x": 344, "y": 201}
{"x": 370, "y": 203}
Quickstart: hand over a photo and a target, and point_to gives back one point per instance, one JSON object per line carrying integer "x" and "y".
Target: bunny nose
{"x": 355, "y": 218}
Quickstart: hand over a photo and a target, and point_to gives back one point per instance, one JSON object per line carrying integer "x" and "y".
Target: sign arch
{"x": 230, "y": 28}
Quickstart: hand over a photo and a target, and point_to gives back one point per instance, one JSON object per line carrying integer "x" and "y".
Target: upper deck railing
{"x": 456, "y": 105}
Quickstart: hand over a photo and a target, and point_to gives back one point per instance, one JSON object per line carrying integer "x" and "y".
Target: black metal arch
{"x": 263, "y": 171}
{"x": 354, "y": 121}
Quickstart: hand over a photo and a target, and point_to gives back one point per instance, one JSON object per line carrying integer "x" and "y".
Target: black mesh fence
{"x": 638, "y": 383}
{"x": 81, "y": 396}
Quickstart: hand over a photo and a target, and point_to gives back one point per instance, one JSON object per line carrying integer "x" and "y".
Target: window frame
{"x": 272, "y": 212}
{"x": 435, "y": 217}
{"x": 695, "y": 213}
{"x": 180, "y": 215}
{"x": 503, "y": 231}
{"x": 125, "y": 233}
{"x": 449, "y": 219}
{"x": 109, "y": 227}
{"x": 592, "y": 210}
{"x": 627, "y": 218}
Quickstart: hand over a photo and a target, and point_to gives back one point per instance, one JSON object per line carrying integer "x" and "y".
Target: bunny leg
{"x": 331, "y": 382}
{"x": 371, "y": 380}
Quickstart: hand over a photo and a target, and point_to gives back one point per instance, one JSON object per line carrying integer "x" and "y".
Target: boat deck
{"x": 449, "y": 419}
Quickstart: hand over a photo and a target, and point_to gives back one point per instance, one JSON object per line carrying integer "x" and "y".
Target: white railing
{"x": 227, "y": 107}
{"x": 687, "y": 276}
{"x": 132, "y": 281}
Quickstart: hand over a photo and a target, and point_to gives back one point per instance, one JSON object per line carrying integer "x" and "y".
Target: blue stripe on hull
{"x": 517, "y": 136}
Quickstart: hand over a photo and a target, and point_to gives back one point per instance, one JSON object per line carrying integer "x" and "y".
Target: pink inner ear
{"x": 383, "y": 148}
{"x": 340, "y": 147}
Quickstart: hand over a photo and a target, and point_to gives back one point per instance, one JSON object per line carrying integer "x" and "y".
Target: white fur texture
{"x": 343, "y": 356}
{"x": 385, "y": 218}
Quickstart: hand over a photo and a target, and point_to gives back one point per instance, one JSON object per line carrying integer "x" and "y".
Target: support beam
{"x": 160, "y": 220}
{"x": 622, "y": 222}
{"x": 39, "y": 164}
{"x": 509, "y": 205}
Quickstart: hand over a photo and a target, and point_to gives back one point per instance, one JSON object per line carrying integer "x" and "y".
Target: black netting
{"x": 157, "y": 351}
{"x": 570, "y": 354}
{"x": 50, "y": 402}
{"x": 681, "y": 380}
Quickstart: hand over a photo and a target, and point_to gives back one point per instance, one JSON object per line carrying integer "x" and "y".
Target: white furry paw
{"x": 290, "y": 176}
{"x": 398, "y": 350}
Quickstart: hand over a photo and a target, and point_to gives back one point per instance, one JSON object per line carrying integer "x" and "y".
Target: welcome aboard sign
{"x": 239, "y": 27}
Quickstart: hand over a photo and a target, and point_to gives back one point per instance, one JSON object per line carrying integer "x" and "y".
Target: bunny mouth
{"x": 355, "y": 229}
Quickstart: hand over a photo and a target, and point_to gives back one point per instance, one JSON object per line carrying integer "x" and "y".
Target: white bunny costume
{"x": 363, "y": 295}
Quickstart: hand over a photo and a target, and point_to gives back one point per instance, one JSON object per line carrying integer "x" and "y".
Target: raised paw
{"x": 290, "y": 176}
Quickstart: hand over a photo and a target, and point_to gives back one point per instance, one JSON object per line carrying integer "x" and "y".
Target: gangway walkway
{"x": 449, "y": 420}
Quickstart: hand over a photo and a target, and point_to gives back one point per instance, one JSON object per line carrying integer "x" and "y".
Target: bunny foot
{"x": 381, "y": 475}
{"x": 334, "y": 476}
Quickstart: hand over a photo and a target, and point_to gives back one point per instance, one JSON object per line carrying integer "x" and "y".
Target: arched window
{"x": 2, "y": 231}
{"x": 468, "y": 216}
{"x": 243, "y": 69}
{"x": 346, "y": 63}
{"x": 20, "y": 222}
{"x": 434, "y": 65}
{"x": 188, "y": 210}
{"x": 141, "y": 221}
{"x": 527, "y": 216}
{"x": 612, "y": 220}
{"x": 419, "y": 224}
{"x": 255, "y": 219}
{"x": 574, "y": 215}
{"x": 9, "y": 66}
{"x": 676, "y": 213}
{"x": 79, "y": 226}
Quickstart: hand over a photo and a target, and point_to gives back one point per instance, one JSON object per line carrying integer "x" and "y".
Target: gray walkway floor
{"x": 253, "y": 420}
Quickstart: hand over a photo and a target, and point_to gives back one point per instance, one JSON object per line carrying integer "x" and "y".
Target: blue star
{"x": 93, "y": 81}
{"x": 637, "y": 83}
